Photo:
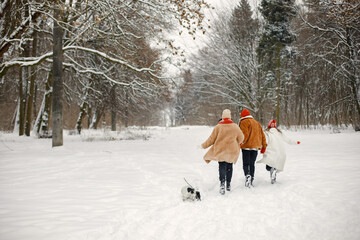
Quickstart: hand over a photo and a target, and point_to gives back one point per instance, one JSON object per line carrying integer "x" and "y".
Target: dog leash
{"x": 188, "y": 183}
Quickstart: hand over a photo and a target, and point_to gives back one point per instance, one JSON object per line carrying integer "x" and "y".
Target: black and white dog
{"x": 190, "y": 193}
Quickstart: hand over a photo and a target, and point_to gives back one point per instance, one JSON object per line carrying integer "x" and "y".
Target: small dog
{"x": 189, "y": 193}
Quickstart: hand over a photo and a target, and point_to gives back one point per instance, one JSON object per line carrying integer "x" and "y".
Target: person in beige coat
{"x": 225, "y": 141}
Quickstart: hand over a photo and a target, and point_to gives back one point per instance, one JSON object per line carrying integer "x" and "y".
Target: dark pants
{"x": 268, "y": 167}
{"x": 225, "y": 172}
{"x": 249, "y": 158}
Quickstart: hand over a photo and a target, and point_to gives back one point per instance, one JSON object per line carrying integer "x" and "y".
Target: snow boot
{"x": 248, "y": 181}
{"x": 273, "y": 175}
{"x": 228, "y": 186}
{"x": 222, "y": 188}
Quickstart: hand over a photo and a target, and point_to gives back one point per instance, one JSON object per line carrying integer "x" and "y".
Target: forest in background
{"x": 298, "y": 64}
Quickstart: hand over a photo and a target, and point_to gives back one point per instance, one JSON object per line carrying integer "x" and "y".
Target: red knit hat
{"x": 245, "y": 113}
{"x": 272, "y": 124}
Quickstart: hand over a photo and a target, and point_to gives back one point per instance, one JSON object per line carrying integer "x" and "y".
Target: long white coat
{"x": 275, "y": 154}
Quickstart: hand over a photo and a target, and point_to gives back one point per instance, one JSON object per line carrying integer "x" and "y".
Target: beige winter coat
{"x": 225, "y": 142}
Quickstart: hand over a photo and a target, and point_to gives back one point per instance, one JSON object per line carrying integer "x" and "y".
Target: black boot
{"x": 228, "y": 186}
{"x": 222, "y": 188}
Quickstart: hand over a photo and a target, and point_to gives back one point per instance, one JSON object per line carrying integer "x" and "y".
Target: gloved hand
{"x": 298, "y": 142}
{"x": 262, "y": 151}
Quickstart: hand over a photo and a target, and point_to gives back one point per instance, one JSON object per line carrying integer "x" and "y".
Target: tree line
{"x": 298, "y": 64}
{"x": 101, "y": 56}
{"x": 83, "y": 62}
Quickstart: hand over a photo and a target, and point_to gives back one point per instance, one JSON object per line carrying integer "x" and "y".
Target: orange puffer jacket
{"x": 253, "y": 133}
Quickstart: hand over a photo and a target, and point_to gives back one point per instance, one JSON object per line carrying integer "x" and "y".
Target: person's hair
{"x": 275, "y": 128}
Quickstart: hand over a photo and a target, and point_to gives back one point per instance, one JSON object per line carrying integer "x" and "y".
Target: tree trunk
{"x": 99, "y": 111}
{"x": 113, "y": 108}
{"x": 301, "y": 101}
{"x": 22, "y": 100}
{"x": 278, "y": 84}
{"x": 82, "y": 114}
{"x": 356, "y": 99}
{"x": 57, "y": 118}
{"x": 113, "y": 120}
{"x": 23, "y": 85}
{"x": 354, "y": 71}
{"x": 127, "y": 103}
{"x": 41, "y": 126}
{"x": 307, "y": 109}
{"x": 37, "y": 124}
{"x": 31, "y": 92}
{"x": 17, "y": 118}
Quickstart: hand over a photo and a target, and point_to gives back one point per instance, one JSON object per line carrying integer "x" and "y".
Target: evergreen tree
{"x": 276, "y": 36}
{"x": 244, "y": 28}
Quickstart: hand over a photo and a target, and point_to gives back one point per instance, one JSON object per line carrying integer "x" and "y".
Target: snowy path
{"x": 131, "y": 190}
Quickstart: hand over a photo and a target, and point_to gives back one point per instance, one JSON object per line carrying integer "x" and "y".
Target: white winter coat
{"x": 275, "y": 154}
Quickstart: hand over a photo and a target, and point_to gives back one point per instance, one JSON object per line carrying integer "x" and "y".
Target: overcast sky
{"x": 186, "y": 42}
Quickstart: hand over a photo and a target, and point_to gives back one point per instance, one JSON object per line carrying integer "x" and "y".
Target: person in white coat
{"x": 275, "y": 155}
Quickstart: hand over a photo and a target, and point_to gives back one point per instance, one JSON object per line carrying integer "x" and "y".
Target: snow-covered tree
{"x": 186, "y": 102}
{"x": 226, "y": 67}
{"x": 276, "y": 35}
{"x": 336, "y": 36}
{"x": 110, "y": 32}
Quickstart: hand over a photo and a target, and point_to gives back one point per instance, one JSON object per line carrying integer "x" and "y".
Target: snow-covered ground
{"x": 102, "y": 185}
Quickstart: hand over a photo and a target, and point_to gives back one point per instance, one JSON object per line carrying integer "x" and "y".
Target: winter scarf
{"x": 226, "y": 121}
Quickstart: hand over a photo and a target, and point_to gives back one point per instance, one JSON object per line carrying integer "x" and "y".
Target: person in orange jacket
{"x": 253, "y": 141}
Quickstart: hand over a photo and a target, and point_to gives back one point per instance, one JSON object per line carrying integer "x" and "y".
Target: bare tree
{"x": 120, "y": 29}
{"x": 332, "y": 59}
{"x": 226, "y": 68}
